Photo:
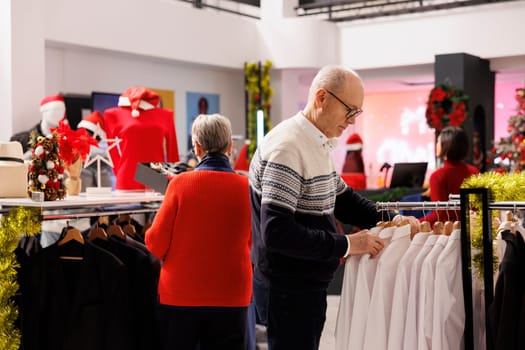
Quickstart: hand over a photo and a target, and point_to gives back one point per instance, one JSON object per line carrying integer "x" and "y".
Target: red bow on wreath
{"x": 446, "y": 105}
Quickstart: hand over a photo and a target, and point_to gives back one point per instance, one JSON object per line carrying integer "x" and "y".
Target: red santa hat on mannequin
{"x": 52, "y": 102}
{"x": 94, "y": 123}
{"x": 138, "y": 98}
{"x": 354, "y": 142}
{"x": 53, "y": 109}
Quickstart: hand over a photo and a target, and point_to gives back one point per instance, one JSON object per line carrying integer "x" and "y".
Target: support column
{"x": 473, "y": 75}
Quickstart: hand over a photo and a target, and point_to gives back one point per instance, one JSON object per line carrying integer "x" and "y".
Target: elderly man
{"x": 296, "y": 196}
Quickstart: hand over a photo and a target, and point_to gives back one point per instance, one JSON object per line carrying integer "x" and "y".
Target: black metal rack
{"x": 462, "y": 203}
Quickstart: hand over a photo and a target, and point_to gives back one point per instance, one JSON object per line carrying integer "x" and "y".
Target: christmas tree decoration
{"x": 46, "y": 171}
{"x": 508, "y": 155}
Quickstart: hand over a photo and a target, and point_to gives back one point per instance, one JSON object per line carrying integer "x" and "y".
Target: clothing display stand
{"x": 488, "y": 261}
{"x": 463, "y": 202}
{"x": 456, "y": 203}
{"x": 74, "y": 207}
{"x": 59, "y": 213}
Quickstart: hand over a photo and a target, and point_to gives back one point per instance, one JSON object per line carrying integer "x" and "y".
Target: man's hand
{"x": 363, "y": 242}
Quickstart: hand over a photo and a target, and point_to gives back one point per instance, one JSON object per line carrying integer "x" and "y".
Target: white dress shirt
{"x": 378, "y": 320}
{"x": 411, "y": 321}
{"x": 346, "y": 302}
{"x": 449, "y": 308}
{"x": 364, "y": 287}
{"x": 400, "y": 299}
{"x": 426, "y": 295}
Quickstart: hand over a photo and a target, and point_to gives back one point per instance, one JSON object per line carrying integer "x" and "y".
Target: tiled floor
{"x": 327, "y": 337}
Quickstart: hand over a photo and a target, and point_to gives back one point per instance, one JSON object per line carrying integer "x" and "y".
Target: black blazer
{"x": 141, "y": 291}
{"x": 504, "y": 312}
{"x": 73, "y": 305}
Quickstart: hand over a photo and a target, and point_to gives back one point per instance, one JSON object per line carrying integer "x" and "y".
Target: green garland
{"x": 257, "y": 86}
{"x": 18, "y": 221}
{"x": 502, "y": 188}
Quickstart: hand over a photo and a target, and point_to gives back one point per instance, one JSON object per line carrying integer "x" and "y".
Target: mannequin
{"x": 53, "y": 109}
{"x": 145, "y": 132}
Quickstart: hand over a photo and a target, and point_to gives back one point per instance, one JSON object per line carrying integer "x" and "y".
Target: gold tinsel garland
{"x": 502, "y": 188}
{"x": 259, "y": 91}
{"x": 19, "y": 221}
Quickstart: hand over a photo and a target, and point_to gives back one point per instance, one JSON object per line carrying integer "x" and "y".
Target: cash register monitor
{"x": 410, "y": 175}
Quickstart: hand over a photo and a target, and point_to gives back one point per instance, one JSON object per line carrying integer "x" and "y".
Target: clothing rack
{"x": 456, "y": 203}
{"x": 102, "y": 212}
{"x": 133, "y": 202}
{"x": 463, "y": 201}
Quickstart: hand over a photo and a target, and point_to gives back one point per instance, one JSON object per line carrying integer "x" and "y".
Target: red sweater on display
{"x": 444, "y": 181}
{"x": 150, "y": 137}
{"x": 202, "y": 234}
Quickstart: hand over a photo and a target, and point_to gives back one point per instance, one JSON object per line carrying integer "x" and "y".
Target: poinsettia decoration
{"x": 73, "y": 144}
{"x": 446, "y": 106}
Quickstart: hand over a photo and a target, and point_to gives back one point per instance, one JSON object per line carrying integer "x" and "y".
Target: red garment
{"x": 149, "y": 137}
{"x": 202, "y": 234}
{"x": 242, "y": 162}
{"x": 444, "y": 181}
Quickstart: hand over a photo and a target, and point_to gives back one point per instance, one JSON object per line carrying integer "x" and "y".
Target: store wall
{"x": 486, "y": 31}
{"x": 81, "y": 71}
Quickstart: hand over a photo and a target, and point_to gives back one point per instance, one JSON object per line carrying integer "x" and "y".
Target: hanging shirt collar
{"x": 315, "y": 134}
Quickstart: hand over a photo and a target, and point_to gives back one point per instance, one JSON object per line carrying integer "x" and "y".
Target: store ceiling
{"x": 349, "y": 10}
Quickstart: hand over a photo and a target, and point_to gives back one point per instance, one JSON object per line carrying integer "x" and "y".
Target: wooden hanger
{"x": 116, "y": 230}
{"x": 424, "y": 226}
{"x": 438, "y": 228}
{"x": 456, "y": 225}
{"x": 98, "y": 232}
{"x": 72, "y": 235}
{"x": 129, "y": 229}
{"x": 448, "y": 227}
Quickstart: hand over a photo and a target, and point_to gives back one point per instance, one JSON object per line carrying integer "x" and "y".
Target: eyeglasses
{"x": 350, "y": 112}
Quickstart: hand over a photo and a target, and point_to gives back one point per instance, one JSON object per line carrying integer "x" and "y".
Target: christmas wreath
{"x": 446, "y": 106}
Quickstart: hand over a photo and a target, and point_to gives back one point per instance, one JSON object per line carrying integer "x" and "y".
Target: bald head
{"x": 338, "y": 79}
{"x": 335, "y": 100}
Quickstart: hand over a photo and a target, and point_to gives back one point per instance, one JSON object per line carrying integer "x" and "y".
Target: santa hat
{"x": 354, "y": 142}
{"x": 52, "y": 102}
{"x": 94, "y": 123}
{"x": 138, "y": 98}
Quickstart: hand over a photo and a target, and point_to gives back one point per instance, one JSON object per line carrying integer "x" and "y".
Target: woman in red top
{"x": 202, "y": 235}
{"x": 452, "y": 146}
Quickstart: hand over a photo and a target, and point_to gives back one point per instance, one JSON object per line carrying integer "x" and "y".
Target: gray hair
{"x": 213, "y": 132}
{"x": 332, "y": 78}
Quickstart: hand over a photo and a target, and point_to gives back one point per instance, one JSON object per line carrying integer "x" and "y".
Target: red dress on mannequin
{"x": 148, "y": 137}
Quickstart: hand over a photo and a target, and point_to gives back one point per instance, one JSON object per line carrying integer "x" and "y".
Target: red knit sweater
{"x": 444, "y": 181}
{"x": 202, "y": 234}
{"x": 150, "y": 137}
